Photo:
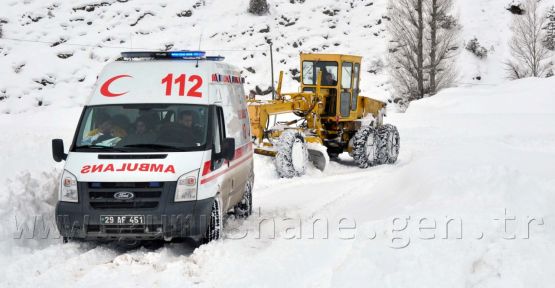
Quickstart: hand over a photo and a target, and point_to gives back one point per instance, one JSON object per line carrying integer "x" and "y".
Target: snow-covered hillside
{"x": 459, "y": 160}
{"x": 51, "y": 51}
{"x": 220, "y": 27}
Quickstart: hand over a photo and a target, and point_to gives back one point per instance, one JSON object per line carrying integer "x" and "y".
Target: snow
{"x": 474, "y": 153}
{"x": 458, "y": 162}
{"x": 97, "y": 36}
{"x": 489, "y": 22}
{"x": 537, "y": 98}
{"x": 95, "y": 32}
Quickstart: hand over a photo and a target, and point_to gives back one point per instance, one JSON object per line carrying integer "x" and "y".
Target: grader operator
{"x": 330, "y": 118}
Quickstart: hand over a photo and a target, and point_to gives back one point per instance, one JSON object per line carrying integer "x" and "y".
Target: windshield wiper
{"x": 159, "y": 147}
{"x": 96, "y": 146}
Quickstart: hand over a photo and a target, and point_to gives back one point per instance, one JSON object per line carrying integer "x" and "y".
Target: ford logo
{"x": 124, "y": 195}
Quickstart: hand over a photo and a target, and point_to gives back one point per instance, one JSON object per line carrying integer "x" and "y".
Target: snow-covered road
{"x": 468, "y": 156}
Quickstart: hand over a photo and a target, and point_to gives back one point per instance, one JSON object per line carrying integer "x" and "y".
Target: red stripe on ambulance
{"x": 239, "y": 152}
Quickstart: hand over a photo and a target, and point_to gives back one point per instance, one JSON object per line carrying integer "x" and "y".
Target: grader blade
{"x": 318, "y": 157}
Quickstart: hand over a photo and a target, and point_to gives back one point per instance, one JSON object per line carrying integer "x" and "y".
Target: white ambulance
{"x": 162, "y": 151}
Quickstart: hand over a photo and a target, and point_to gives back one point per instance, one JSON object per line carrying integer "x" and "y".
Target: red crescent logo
{"x": 105, "y": 91}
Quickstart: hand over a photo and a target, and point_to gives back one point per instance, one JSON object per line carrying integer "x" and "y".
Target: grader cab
{"x": 326, "y": 118}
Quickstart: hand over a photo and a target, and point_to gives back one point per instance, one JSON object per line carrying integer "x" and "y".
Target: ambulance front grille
{"x": 146, "y": 194}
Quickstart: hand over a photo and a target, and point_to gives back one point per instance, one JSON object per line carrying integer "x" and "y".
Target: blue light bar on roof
{"x": 177, "y": 55}
{"x": 187, "y": 54}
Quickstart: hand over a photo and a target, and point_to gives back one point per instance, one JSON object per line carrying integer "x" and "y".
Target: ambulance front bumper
{"x": 159, "y": 216}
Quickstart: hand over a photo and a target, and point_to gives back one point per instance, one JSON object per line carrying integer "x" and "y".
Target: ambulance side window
{"x": 219, "y": 130}
{"x": 217, "y": 135}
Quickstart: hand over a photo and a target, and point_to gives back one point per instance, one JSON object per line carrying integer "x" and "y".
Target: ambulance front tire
{"x": 215, "y": 224}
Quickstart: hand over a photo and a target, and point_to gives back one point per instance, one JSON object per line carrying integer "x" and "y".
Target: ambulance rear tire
{"x": 243, "y": 209}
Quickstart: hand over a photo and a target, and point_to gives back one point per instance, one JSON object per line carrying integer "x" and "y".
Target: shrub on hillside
{"x": 516, "y": 7}
{"x": 476, "y": 49}
{"x": 258, "y": 7}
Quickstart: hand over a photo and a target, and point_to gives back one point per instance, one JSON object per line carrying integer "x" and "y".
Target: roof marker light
{"x": 215, "y": 58}
{"x": 177, "y": 55}
{"x": 187, "y": 54}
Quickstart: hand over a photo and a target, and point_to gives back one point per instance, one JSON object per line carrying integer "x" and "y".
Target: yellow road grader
{"x": 330, "y": 117}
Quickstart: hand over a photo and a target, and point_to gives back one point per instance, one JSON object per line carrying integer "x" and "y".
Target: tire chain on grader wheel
{"x": 360, "y": 154}
{"x": 388, "y": 144}
{"x": 284, "y": 158}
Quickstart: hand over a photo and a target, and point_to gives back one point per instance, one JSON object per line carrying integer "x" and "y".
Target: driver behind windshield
{"x": 106, "y": 130}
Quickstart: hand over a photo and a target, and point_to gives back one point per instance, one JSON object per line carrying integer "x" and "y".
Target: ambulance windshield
{"x": 143, "y": 127}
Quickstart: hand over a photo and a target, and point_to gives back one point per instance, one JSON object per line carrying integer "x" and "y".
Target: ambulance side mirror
{"x": 58, "y": 150}
{"x": 229, "y": 148}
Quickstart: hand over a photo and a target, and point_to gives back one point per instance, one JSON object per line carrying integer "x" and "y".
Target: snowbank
{"x": 525, "y": 96}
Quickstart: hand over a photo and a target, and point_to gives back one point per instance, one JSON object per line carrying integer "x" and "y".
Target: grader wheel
{"x": 365, "y": 147}
{"x": 389, "y": 142}
{"x": 292, "y": 155}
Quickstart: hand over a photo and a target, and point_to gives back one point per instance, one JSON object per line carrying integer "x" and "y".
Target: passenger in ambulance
{"x": 180, "y": 131}
{"x": 142, "y": 133}
{"x": 151, "y": 118}
{"x": 187, "y": 121}
{"x": 122, "y": 124}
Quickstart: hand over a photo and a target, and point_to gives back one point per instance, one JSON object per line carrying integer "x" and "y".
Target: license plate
{"x": 122, "y": 219}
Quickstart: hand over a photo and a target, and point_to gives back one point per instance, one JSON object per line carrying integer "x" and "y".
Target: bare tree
{"x": 443, "y": 37}
{"x": 422, "y": 47}
{"x": 406, "y": 47}
{"x": 420, "y": 51}
{"x": 529, "y": 55}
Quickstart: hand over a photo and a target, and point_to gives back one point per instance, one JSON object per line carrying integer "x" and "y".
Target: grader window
{"x": 346, "y": 75}
{"x": 308, "y": 73}
{"x": 355, "y": 87}
{"x": 311, "y": 70}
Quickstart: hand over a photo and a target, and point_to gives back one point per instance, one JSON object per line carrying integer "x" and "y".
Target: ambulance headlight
{"x": 187, "y": 186}
{"x": 68, "y": 188}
